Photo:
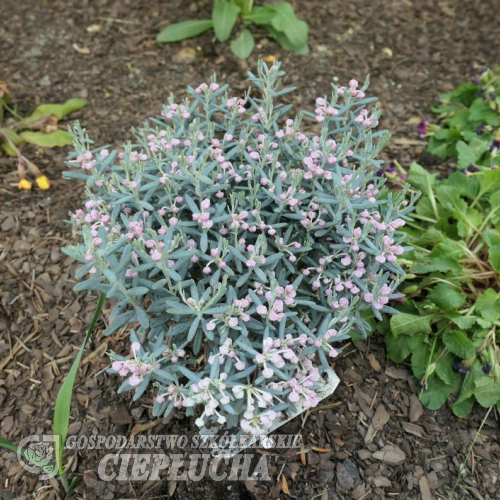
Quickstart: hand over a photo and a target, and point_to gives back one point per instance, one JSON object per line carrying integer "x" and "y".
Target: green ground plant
{"x": 39, "y": 128}
{"x": 60, "y": 423}
{"x": 277, "y": 20}
{"x": 448, "y": 324}
{"x": 468, "y": 125}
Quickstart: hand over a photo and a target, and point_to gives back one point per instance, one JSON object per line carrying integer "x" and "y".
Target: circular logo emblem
{"x": 38, "y": 456}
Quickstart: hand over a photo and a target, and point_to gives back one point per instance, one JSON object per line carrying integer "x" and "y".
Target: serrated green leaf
{"x": 446, "y": 297}
{"x": 489, "y": 180}
{"x": 224, "y": 16}
{"x": 487, "y": 390}
{"x": 494, "y": 257}
{"x": 58, "y": 138}
{"x": 488, "y": 305}
{"x": 400, "y": 347}
{"x": 462, "y": 408}
{"x": 444, "y": 370}
{"x": 182, "y": 31}
{"x": 457, "y": 342}
{"x": 436, "y": 394}
{"x": 243, "y": 45}
{"x": 420, "y": 359}
{"x": 463, "y": 322}
{"x": 410, "y": 324}
{"x": 420, "y": 178}
{"x": 440, "y": 264}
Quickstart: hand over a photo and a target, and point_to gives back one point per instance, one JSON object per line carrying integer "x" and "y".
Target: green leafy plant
{"x": 61, "y": 416}
{"x": 468, "y": 123}
{"x": 40, "y": 128}
{"x": 448, "y": 324}
{"x": 279, "y": 20}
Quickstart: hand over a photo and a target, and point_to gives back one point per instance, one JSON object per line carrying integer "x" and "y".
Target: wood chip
{"x": 391, "y": 455}
{"x": 416, "y": 408}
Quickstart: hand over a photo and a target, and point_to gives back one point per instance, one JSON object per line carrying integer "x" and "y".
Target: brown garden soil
{"x": 105, "y": 51}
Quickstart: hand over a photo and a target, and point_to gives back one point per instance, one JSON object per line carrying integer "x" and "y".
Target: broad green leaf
{"x": 243, "y": 46}
{"x": 65, "y": 394}
{"x": 260, "y": 15}
{"x": 445, "y": 371}
{"x": 420, "y": 178}
{"x": 463, "y": 322}
{"x": 224, "y": 16}
{"x": 58, "y": 138}
{"x": 467, "y": 185}
{"x": 283, "y": 40}
{"x": 182, "y": 31}
{"x": 410, "y": 324}
{"x": 458, "y": 343}
{"x": 494, "y": 200}
{"x": 491, "y": 238}
{"x": 57, "y": 110}
{"x": 399, "y": 348}
{"x": 440, "y": 264}
{"x": 420, "y": 359}
{"x": 487, "y": 390}
{"x": 488, "y": 305}
{"x": 480, "y": 112}
{"x": 16, "y": 140}
{"x": 442, "y": 149}
{"x": 431, "y": 236}
{"x": 446, "y": 297}
{"x": 469, "y": 222}
{"x": 489, "y": 180}
{"x": 494, "y": 257}
{"x": 462, "y": 408}
{"x": 436, "y": 394}
{"x": 286, "y": 22}
{"x": 449, "y": 197}
{"x": 469, "y": 154}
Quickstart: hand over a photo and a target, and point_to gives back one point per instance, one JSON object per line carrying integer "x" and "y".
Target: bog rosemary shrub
{"x": 239, "y": 247}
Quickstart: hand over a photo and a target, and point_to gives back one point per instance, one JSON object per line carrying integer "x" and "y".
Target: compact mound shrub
{"x": 238, "y": 247}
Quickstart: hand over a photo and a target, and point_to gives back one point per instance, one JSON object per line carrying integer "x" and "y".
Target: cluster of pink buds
{"x": 258, "y": 423}
{"x": 175, "y": 394}
{"x": 255, "y": 257}
{"x": 227, "y": 349}
{"x": 380, "y": 299}
{"x": 365, "y": 120}
{"x": 324, "y": 109}
{"x": 236, "y": 103}
{"x": 203, "y": 87}
{"x": 155, "y": 249}
{"x": 353, "y": 90}
{"x": 136, "y": 368}
{"x": 324, "y": 344}
{"x": 203, "y": 217}
{"x": 176, "y": 110}
{"x": 390, "y": 251}
{"x": 211, "y": 393}
{"x": 277, "y": 351}
{"x": 86, "y": 161}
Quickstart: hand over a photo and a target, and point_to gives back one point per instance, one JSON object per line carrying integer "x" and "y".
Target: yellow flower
{"x": 24, "y": 184}
{"x": 42, "y": 182}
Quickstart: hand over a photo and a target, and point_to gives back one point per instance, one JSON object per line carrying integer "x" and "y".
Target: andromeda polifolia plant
{"x": 238, "y": 248}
